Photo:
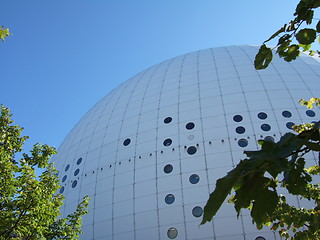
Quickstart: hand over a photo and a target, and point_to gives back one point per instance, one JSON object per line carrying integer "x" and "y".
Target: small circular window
{"x": 269, "y": 138}
{"x": 190, "y": 125}
{"x": 172, "y": 233}
{"x": 79, "y": 161}
{"x": 76, "y": 172}
{"x": 191, "y": 150}
{"x": 168, "y": 168}
{"x": 289, "y": 125}
{"x": 242, "y": 142}
{"x": 260, "y": 238}
{"x": 194, "y": 179}
{"x": 126, "y": 142}
{"x": 74, "y": 183}
{"x": 240, "y": 129}
{"x": 169, "y": 199}
{"x": 265, "y": 127}
{"x": 67, "y": 167}
{"x": 286, "y": 114}
{"x": 262, "y": 115}
{"x": 310, "y": 113}
{"x": 237, "y": 118}
{"x": 197, "y": 211}
{"x": 64, "y": 178}
{"x": 167, "y": 120}
{"x": 61, "y": 189}
{"x": 167, "y": 142}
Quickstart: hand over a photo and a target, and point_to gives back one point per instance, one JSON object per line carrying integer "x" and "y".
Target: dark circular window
{"x": 286, "y": 114}
{"x": 237, "y": 118}
{"x": 64, "y": 178}
{"x": 172, "y": 233}
{"x": 269, "y": 138}
{"x": 310, "y": 113}
{"x": 126, "y": 142}
{"x": 169, "y": 199}
{"x": 240, "y": 129}
{"x": 168, "y": 168}
{"x": 74, "y": 183}
{"x": 197, "y": 211}
{"x": 167, "y": 120}
{"x": 194, "y": 179}
{"x": 76, "y": 172}
{"x": 79, "y": 161}
{"x": 265, "y": 127}
{"x": 262, "y": 115}
{"x": 67, "y": 167}
{"x": 190, "y": 125}
{"x": 260, "y": 238}
{"x": 242, "y": 142}
{"x": 289, "y": 125}
{"x": 61, "y": 189}
{"x": 167, "y": 142}
{"x": 191, "y": 150}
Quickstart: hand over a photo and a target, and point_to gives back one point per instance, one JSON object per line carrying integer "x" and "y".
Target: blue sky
{"x": 64, "y": 56}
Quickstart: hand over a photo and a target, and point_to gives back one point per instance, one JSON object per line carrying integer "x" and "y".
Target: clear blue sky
{"x": 65, "y": 55}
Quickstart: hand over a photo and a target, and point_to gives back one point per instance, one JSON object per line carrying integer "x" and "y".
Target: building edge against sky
{"x": 148, "y": 154}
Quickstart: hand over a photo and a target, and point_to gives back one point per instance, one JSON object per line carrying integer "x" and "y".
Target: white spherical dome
{"x": 149, "y": 153}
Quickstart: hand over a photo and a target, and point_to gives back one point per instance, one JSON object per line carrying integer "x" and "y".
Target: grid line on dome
{"x": 168, "y": 63}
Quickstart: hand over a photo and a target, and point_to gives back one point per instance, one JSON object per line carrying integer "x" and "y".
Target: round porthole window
{"x": 240, "y": 129}
{"x": 64, "y": 178}
{"x": 237, "y": 118}
{"x": 197, "y": 211}
{"x": 167, "y": 120}
{"x": 61, "y": 190}
{"x": 190, "y": 125}
{"x": 260, "y": 238}
{"x": 286, "y": 114}
{"x": 172, "y": 233}
{"x": 76, "y": 172}
{"x": 191, "y": 150}
{"x": 262, "y": 115}
{"x": 169, "y": 199}
{"x": 242, "y": 142}
{"x": 265, "y": 127}
{"x": 167, "y": 142}
{"x": 194, "y": 179}
{"x": 289, "y": 125}
{"x": 74, "y": 183}
{"x": 168, "y": 168}
{"x": 310, "y": 113}
{"x": 269, "y": 138}
{"x": 126, "y": 142}
{"x": 67, "y": 167}
{"x": 79, "y": 161}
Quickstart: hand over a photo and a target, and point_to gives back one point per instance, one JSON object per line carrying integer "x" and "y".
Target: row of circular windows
{"x": 263, "y": 115}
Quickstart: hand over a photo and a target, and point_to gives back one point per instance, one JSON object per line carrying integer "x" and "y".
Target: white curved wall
{"x": 127, "y": 184}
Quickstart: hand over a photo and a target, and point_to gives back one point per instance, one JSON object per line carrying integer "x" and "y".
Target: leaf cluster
{"x": 286, "y": 47}
{"x": 4, "y": 32}
{"x": 257, "y": 179}
{"x": 29, "y": 204}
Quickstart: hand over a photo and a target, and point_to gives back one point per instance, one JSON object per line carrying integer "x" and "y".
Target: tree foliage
{"x": 292, "y": 39}
{"x": 4, "y": 32}
{"x": 256, "y": 182}
{"x": 29, "y": 204}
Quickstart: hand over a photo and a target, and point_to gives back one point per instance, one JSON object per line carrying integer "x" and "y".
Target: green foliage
{"x": 29, "y": 204}
{"x": 257, "y": 179}
{"x": 4, "y": 32}
{"x": 292, "y": 39}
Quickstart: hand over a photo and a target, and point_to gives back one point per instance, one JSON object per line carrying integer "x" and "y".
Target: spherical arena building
{"x": 149, "y": 153}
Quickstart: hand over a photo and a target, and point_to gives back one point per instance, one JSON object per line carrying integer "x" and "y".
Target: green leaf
{"x": 318, "y": 27}
{"x": 263, "y": 58}
{"x": 276, "y": 33}
{"x": 306, "y": 36}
